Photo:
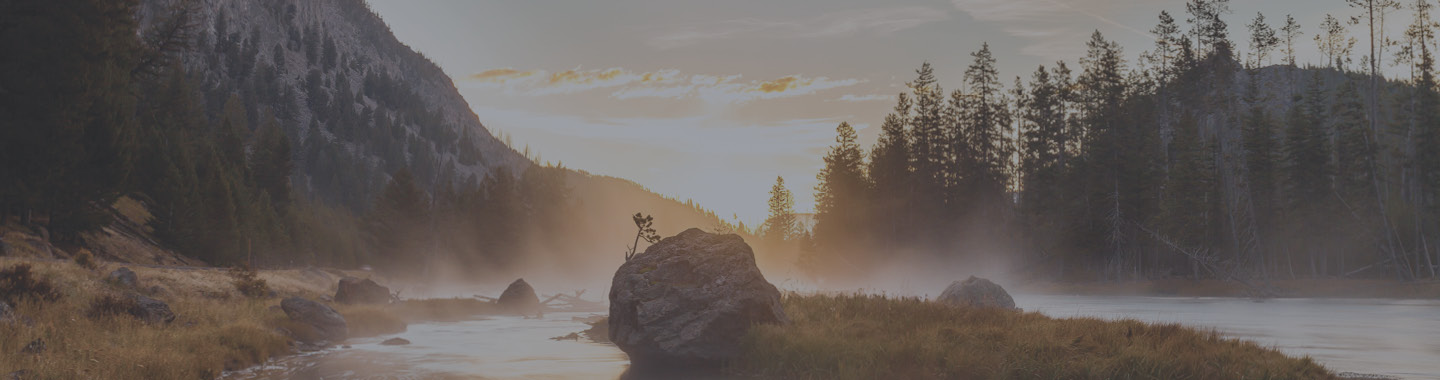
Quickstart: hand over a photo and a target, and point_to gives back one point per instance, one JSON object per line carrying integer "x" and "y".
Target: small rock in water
{"x": 395, "y": 342}
{"x": 519, "y": 298}
{"x": 571, "y": 336}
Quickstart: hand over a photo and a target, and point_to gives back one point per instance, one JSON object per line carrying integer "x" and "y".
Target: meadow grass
{"x": 877, "y": 337}
{"x": 216, "y": 327}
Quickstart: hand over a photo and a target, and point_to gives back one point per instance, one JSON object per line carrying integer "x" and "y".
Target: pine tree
{"x": 981, "y": 143}
{"x": 1353, "y": 150}
{"x": 890, "y": 171}
{"x": 840, "y": 196}
{"x": 1191, "y": 215}
{"x": 1334, "y": 43}
{"x": 399, "y": 221}
{"x": 1289, "y": 33}
{"x": 271, "y": 163}
{"x": 67, "y": 109}
{"x": 1045, "y": 195}
{"x": 1209, "y": 29}
{"x": 1261, "y": 157}
{"x": 781, "y": 225}
{"x": 1262, "y": 41}
{"x": 1168, "y": 43}
{"x": 1307, "y": 173}
{"x": 927, "y": 144}
{"x": 1101, "y": 95}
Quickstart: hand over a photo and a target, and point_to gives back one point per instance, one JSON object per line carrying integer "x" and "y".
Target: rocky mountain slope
{"x": 357, "y": 103}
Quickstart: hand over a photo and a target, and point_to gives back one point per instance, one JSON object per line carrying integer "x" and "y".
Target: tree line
{"x": 1196, "y": 160}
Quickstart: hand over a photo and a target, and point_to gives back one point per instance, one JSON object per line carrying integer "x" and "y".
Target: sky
{"x": 712, "y": 100}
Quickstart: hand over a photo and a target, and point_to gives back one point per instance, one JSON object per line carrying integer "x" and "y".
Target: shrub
{"x": 248, "y": 282}
{"x": 85, "y": 260}
{"x": 19, "y": 283}
{"x": 111, "y": 305}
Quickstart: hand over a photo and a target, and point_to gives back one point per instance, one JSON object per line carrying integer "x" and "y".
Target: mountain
{"x": 357, "y": 103}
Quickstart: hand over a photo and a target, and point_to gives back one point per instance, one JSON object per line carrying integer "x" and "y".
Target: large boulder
{"x": 519, "y": 298}
{"x": 327, "y": 325}
{"x": 687, "y": 300}
{"x": 123, "y": 277}
{"x": 150, "y": 310}
{"x": 976, "y": 292}
{"x": 355, "y": 290}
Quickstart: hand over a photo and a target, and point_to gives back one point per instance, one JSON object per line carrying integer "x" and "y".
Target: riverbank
{"x": 868, "y": 337}
{"x": 1299, "y": 288}
{"x": 216, "y": 328}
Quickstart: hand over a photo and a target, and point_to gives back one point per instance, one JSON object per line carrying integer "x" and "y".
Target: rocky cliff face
{"x": 357, "y": 104}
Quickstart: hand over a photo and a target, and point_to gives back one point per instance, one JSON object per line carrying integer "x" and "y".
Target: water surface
{"x": 1399, "y": 338}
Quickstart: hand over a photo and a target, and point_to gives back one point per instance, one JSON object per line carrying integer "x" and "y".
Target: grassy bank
{"x": 1302, "y": 288}
{"x": 215, "y": 329}
{"x": 874, "y": 337}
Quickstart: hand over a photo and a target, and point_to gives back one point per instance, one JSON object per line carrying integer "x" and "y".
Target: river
{"x": 1396, "y": 338}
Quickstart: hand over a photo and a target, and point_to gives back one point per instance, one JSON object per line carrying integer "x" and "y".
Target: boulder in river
{"x": 687, "y": 300}
{"x": 328, "y": 326}
{"x": 355, "y": 290}
{"x": 976, "y": 292}
{"x": 395, "y": 342}
{"x": 519, "y": 298}
{"x": 123, "y": 277}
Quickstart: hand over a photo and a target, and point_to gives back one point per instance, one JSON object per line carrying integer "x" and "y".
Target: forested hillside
{"x": 274, "y": 133}
{"x": 1205, "y": 158}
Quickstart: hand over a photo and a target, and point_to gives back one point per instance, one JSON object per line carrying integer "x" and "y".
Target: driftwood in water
{"x": 1209, "y": 261}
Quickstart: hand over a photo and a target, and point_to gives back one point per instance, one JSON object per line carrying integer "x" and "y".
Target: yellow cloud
{"x": 782, "y": 84}
{"x": 501, "y": 75}
{"x": 670, "y": 84}
{"x": 585, "y": 77}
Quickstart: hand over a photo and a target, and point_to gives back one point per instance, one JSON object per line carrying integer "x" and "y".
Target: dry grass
{"x": 873, "y": 337}
{"x": 216, "y": 329}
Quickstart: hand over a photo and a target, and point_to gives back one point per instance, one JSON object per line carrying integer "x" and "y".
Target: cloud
{"x": 833, "y": 24}
{"x": 662, "y": 84}
{"x": 500, "y": 75}
{"x": 863, "y": 98}
{"x": 1049, "y": 24}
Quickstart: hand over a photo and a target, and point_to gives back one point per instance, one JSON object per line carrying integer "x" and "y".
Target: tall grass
{"x": 215, "y": 329}
{"x": 875, "y": 337}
